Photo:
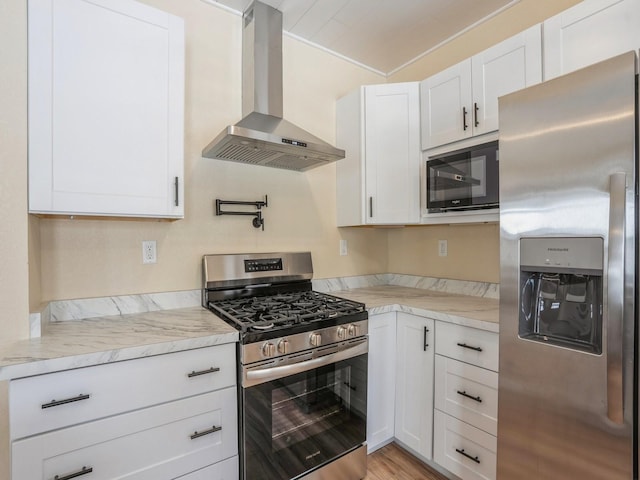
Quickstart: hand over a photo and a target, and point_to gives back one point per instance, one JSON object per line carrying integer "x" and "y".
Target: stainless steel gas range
{"x": 302, "y": 373}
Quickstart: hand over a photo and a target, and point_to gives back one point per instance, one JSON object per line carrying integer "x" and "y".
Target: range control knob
{"x": 268, "y": 349}
{"x": 315, "y": 339}
{"x": 353, "y": 330}
{"x": 283, "y": 347}
{"x": 342, "y": 333}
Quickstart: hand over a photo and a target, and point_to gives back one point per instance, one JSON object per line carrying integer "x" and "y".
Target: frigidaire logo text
{"x": 557, "y": 249}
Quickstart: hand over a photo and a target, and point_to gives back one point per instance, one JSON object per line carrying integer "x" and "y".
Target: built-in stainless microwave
{"x": 465, "y": 179}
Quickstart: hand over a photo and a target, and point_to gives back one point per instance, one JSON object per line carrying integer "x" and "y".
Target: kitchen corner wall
{"x": 473, "y": 252}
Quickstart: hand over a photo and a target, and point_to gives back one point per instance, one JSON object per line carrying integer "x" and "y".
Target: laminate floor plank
{"x": 393, "y": 463}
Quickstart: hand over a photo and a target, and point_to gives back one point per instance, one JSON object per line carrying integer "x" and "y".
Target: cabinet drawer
{"x": 149, "y": 444}
{"x": 462, "y": 449}
{"x": 469, "y": 345}
{"x": 225, "y": 470}
{"x": 37, "y": 404}
{"x": 468, "y": 393}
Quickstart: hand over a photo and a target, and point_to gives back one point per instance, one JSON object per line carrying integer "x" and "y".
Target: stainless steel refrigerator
{"x": 568, "y": 248}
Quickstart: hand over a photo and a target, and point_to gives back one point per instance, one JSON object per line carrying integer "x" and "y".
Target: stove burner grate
{"x": 282, "y": 310}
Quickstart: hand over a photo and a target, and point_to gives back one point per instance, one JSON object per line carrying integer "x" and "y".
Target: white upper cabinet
{"x": 446, "y": 101}
{"x": 378, "y": 182}
{"x": 589, "y": 32}
{"x": 462, "y": 101}
{"x": 106, "y": 109}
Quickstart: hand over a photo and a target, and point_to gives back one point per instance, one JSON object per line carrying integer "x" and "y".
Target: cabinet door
{"x": 414, "y": 383}
{"x": 511, "y": 65}
{"x": 392, "y": 149}
{"x": 106, "y": 101}
{"x": 446, "y": 106}
{"x": 381, "y": 380}
{"x": 590, "y": 32}
{"x": 161, "y": 442}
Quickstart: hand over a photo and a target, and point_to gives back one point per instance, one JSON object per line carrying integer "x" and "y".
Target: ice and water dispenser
{"x": 561, "y": 292}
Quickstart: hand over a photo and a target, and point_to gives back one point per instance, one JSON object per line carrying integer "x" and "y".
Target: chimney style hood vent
{"x": 263, "y": 137}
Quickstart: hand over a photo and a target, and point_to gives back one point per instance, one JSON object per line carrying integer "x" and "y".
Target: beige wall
{"x": 13, "y": 171}
{"x": 473, "y": 252}
{"x": 97, "y": 258}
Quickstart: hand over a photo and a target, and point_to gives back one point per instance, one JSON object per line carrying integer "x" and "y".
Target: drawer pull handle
{"x": 205, "y": 432}
{"x": 462, "y": 452}
{"x": 203, "y": 372}
{"x": 55, "y": 403}
{"x": 426, "y": 330}
{"x": 84, "y": 471}
{"x": 465, "y": 394}
{"x": 464, "y": 345}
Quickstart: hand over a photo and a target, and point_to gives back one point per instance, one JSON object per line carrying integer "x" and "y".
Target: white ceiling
{"x": 383, "y": 35}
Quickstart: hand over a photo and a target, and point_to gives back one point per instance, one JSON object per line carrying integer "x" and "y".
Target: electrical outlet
{"x": 343, "y": 247}
{"x": 149, "y": 251}
{"x": 442, "y": 248}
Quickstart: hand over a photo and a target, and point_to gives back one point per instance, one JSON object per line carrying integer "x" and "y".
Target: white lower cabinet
{"x": 137, "y": 430}
{"x": 464, "y": 450}
{"x": 161, "y": 442}
{"x": 381, "y": 382}
{"x": 467, "y": 392}
{"x": 466, "y": 401}
{"x": 414, "y": 383}
{"x": 433, "y": 387}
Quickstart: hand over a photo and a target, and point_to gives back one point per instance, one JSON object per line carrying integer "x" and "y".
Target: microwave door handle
{"x": 615, "y": 297}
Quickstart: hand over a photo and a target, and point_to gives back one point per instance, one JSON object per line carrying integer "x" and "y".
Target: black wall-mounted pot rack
{"x": 257, "y": 222}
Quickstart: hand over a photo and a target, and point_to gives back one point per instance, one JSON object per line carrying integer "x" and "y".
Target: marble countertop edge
{"x": 457, "y": 319}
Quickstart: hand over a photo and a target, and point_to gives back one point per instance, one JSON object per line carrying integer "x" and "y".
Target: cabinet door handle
{"x": 55, "y": 403}
{"x": 176, "y": 183}
{"x": 475, "y": 114}
{"x": 370, "y": 207}
{"x": 462, "y": 452}
{"x": 464, "y": 118}
{"x": 464, "y": 345}
{"x": 84, "y": 471}
{"x": 205, "y": 432}
{"x": 465, "y": 394}
{"x": 203, "y": 372}
{"x": 426, "y": 330}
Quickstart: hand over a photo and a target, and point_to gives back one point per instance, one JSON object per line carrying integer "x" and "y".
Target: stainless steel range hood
{"x": 263, "y": 137}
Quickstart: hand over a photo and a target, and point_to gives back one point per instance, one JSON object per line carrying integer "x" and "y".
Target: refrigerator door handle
{"x": 615, "y": 296}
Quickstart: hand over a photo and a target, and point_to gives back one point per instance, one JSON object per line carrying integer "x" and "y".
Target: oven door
{"x": 313, "y": 414}
{"x": 463, "y": 180}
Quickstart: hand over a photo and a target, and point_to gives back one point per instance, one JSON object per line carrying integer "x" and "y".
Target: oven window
{"x": 297, "y": 423}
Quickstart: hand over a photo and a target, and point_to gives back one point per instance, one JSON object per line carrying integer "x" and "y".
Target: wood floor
{"x": 393, "y": 463}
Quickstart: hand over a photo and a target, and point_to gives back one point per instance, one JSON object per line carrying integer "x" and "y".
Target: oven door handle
{"x": 256, "y": 376}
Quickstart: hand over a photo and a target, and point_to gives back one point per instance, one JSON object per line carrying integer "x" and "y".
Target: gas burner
{"x": 283, "y": 311}
{"x": 263, "y": 327}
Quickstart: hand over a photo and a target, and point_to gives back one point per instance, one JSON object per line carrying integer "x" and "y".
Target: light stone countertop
{"x": 80, "y": 343}
{"x": 94, "y": 341}
{"x": 475, "y": 312}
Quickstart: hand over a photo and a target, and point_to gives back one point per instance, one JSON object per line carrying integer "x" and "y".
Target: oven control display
{"x": 263, "y": 265}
